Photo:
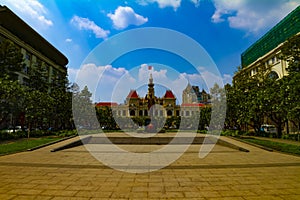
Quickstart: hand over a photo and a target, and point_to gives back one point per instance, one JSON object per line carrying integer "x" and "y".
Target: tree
{"x": 56, "y": 108}
{"x": 231, "y": 120}
{"x": 43, "y": 102}
{"x": 39, "y": 104}
{"x": 253, "y": 99}
{"x": 11, "y": 94}
{"x": 204, "y": 120}
{"x": 246, "y": 101}
{"x": 173, "y": 122}
{"x": 11, "y": 59}
{"x": 61, "y": 92}
{"x": 293, "y": 102}
{"x": 37, "y": 109}
{"x": 290, "y": 52}
{"x": 106, "y": 118}
{"x": 237, "y": 100}
{"x": 83, "y": 108}
{"x": 12, "y": 98}
{"x": 275, "y": 103}
{"x": 218, "y": 112}
{"x": 38, "y": 76}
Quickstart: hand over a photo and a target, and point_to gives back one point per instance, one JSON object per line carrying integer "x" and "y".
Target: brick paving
{"x": 225, "y": 173}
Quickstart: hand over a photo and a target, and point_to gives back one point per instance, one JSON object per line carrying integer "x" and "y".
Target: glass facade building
{"x": 286, "y": 28}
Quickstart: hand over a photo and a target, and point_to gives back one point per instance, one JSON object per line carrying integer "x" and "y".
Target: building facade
{"x": 263, "y": 57}
{"x": 36, "y": 51}
{"x": 191, "y": 94}
{"x": 151, "y": 105}
{"x": 264, "y": 54}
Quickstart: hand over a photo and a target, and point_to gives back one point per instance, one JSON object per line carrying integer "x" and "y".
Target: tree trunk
{"x": 279, "y": 130}
{"x": 28, "y": 130}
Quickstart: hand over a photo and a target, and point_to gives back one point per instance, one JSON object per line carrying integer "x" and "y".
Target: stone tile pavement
{"x": 224, "y": 174}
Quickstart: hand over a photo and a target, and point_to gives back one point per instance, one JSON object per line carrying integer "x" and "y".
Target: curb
{"x": 50, "y": 143}
{"x": 87, "y": 139}
{"x": 228, "y": 144}
{"x": 252, "y": 144}
{"x": 233, "y": 146}
{"x": 72, "y": 144}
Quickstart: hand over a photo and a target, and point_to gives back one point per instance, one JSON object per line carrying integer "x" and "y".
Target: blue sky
{"x": 223, "y": 28}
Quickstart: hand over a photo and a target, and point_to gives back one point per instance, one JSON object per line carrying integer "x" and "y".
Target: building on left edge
{"x": 36, "y": 50}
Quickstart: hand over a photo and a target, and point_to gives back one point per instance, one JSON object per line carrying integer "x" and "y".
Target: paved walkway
{"x": 224, "y": 174}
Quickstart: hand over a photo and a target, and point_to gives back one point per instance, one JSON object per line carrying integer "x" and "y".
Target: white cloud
{"x": 196, "y": 2}
{"x": 211, "y": 77}
{"x": 33, "y": 9}
{"x": 137, "y": 79}
{"x": 68, "y": 40}
{"x": 87, "y": 75}
{"x": 175, "y": 4}
{"x": 125, "y": 16}
{"x": 165, "y": 3}
{"x": 100, "y": 80}
{"x": 227, "y": 78}
{"x": 90, "y": 74}
{"x": 86, "y": 24}
{"x": 252, "y": 16}
{"x": 157, "y": 75}
{"x": 108, "y": 83}
{"x": 143, "y": 2}
{"x": 161, "y": 3}
{"x": 177, "y": 82}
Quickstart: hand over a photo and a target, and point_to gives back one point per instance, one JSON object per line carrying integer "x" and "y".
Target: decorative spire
{"x": 189, "y": 83}
{"x": 151, "y": 95}
{"x": 188, "y": 87}
{"x": 151, "y": 79}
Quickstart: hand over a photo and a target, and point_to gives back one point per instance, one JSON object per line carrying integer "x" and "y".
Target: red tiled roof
{"x": 169, "y": 94}
{"x": 132, "y": 94}
{"x": 192, "y": 105}
{"x": 108, "y": 104}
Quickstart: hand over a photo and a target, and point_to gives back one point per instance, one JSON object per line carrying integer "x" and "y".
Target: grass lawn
{"x": 24, "y": 144}
{"x": 286, "y": 148}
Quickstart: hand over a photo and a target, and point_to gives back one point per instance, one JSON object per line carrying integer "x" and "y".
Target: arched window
{"x": 132, "y": 113}
{"x": 140, "y": 113}
{"x": 169, "y": 113}
{"x": 187, "y": 113}
{"x": 273, "y": 75}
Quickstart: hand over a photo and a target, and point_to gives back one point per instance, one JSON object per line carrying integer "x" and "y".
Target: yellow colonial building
{"x": 165, "y": 106}
{"x": 136, "y": 106}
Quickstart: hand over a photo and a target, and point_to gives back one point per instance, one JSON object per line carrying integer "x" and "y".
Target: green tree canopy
{"x": 10, "y": 59}
{"x": 291, "y": 53}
